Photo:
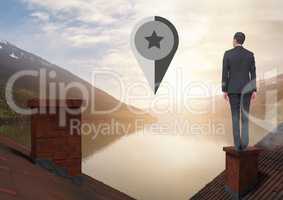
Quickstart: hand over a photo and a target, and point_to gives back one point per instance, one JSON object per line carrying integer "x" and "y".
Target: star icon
{"x": 154, "y": 40}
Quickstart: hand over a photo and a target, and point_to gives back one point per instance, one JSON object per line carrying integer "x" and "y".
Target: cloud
{"x": 95, "y": 11}
{"x": 83, "y": 22}
{"x": 55, "y": 5}
{"x": 41, "y": 16}
{"x": 83, "y": 35}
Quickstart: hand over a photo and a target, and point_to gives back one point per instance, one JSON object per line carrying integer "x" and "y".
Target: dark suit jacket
{"x": 239, "y": 71}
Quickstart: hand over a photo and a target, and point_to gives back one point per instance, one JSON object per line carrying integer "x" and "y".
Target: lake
{"x": 154, "y": 165}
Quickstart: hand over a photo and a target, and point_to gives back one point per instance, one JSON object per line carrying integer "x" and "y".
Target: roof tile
{"x": 270, "y": 185}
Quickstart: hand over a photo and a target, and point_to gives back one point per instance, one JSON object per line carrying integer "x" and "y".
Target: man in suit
{"x": 239, "y": 87}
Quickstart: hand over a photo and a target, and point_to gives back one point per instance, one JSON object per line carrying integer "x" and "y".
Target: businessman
{"x": 239, "y": 87}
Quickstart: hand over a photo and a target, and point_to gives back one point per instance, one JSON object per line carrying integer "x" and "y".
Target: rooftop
{"x": 20, "y": 179}
{"x": 270, "y": 185}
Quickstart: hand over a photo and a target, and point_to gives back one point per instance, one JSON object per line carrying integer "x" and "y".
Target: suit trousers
{"x": 240, "y": 108}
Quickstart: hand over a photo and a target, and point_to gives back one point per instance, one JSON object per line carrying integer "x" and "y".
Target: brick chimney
{"x": 49, "y": 140}
{"x": 241, "y": 174}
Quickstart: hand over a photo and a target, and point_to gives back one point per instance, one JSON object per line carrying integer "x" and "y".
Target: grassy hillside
{"x": 13, "y": 125}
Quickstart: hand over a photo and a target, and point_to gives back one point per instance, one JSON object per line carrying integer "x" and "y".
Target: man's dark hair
{"x": 240, "y": 37}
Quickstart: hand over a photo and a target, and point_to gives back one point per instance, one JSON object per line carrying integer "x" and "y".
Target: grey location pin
{"x": 154, "y": 42}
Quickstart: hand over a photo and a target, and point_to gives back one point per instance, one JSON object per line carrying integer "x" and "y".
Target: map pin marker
{"x": 154, "y": 42}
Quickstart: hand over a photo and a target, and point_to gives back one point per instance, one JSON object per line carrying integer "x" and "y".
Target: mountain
{"x": 14, "y": 59}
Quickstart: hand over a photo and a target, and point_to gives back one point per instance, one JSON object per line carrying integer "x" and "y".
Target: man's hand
{"x": 253, "y": 96}
{"x": 225, "y": 95}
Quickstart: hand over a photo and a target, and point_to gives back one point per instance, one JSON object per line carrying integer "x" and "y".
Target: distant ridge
{"x": 14, "y": 59}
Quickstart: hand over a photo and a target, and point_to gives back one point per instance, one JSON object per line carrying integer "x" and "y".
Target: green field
{"x": 13, "y": 125}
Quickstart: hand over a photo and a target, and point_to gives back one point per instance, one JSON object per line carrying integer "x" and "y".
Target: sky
{"x": 87, "y": 36}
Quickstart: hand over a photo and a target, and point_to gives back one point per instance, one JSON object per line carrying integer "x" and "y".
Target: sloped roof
{"x": 20, "y": 179}
{"x": 270, "y": 185}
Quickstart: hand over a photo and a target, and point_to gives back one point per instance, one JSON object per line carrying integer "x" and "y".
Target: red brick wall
{"x": 55, "y": 143}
